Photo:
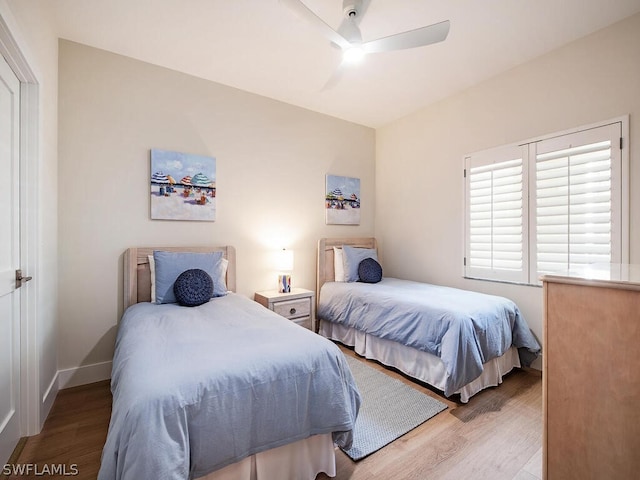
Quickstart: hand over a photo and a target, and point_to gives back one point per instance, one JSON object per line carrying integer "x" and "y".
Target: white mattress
{"x": 301, "y": 460}
{"x": 416, "y": 363}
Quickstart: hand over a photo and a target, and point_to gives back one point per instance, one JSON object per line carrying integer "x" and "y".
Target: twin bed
{"x": 229, "y": 390}
{"x": 224, "y": 390}
{"x": 458, "y": 341}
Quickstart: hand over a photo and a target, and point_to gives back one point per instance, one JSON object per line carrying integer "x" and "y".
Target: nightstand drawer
{"x": 298, "y": 305}
{"x": 293, "y": 308}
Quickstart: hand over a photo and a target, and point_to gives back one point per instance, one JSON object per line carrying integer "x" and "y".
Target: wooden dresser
{"x": 591, "y": 373}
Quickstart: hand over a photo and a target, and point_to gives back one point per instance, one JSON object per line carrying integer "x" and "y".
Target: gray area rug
{"x": 389, "y": 409}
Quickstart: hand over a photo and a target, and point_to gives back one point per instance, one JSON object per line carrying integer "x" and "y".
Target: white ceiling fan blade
{"x": 413, "y": 38}
{"x": 334, "y": 79}
{"x": 304, "y": 12}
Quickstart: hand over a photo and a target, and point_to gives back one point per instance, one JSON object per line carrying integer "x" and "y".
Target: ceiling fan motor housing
{"x": 351, "y": 7}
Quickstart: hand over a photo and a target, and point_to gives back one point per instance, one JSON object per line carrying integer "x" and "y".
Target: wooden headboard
{"x": 137, "y": 276}
{"x": 325, "y": 270}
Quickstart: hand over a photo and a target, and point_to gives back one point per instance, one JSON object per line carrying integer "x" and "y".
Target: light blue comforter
{"x": 196, "y": 389}
{"x": 465, "y": 329}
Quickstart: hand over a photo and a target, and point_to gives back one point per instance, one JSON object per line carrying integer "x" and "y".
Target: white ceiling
{"x": 260, "y": 46}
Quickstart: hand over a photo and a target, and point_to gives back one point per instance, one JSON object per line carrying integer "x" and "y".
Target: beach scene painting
{"x": 183, "y": 186}
{"x": 342, "y": 200}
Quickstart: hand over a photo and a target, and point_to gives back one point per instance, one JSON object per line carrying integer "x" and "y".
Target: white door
{"x": 9, "y": 261}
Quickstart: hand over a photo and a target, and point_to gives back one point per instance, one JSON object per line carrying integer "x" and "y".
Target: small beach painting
{"x": 342, "y": 200}
{"x": 183, "y": 186}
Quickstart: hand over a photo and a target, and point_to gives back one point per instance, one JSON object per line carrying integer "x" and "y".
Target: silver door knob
{"x": 20, "y": 279}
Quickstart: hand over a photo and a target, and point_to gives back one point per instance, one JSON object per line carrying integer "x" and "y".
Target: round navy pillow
{"x": 193, "y": 287}
{"x": 369, "y": 271}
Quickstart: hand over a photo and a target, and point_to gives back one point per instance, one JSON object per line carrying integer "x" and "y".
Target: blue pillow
{"x": 169, "y": 265}
{"x": 369, "y": 271}
{"x": 193, "y": 287}
{"x": 351, "y": 258}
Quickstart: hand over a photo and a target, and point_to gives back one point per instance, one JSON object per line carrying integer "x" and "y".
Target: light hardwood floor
{"x": 497, "y": 435}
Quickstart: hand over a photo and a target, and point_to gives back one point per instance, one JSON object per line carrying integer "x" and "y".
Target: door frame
{"x": 13, "y": 49}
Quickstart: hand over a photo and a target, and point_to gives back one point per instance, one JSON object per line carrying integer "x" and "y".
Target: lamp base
{"x": 284, "y": 283}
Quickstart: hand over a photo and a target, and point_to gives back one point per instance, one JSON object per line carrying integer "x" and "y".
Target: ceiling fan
{"x": 349, "y": 39}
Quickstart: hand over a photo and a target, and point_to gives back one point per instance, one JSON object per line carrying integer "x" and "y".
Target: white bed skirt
{"x": 416, "y": 363}
{"x": 301, "y": 460}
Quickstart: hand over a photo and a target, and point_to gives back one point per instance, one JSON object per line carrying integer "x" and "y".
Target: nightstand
{"x": 299, "y": 305}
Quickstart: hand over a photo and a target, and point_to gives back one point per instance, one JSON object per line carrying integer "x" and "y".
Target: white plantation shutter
{"x": 577, "y": 200}
{"x": 547, "y": 206}
{"x": 496, "y": 215}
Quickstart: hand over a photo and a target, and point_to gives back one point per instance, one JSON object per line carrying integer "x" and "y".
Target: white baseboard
{"x": 48, "y": 398}
{"x": 72, "y": 377}
{"x": 537, "y": 363}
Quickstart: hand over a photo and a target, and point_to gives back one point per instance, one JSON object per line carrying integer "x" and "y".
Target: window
{"x": 496, "y": 215}
{"x": 547, "y": 205}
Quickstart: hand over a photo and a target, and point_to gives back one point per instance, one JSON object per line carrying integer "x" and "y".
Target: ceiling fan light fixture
{"x": 353, "y": 54}
{"x": 349, "y": 38}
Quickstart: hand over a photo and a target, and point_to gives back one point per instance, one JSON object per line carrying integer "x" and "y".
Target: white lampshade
{"x": 284, "y": 260}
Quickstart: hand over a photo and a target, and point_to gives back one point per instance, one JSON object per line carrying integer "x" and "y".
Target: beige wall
{"x": 271, "y": 164}
{"x": 419, "y": 159}
{"x": 272, "y": 159}
{"x": 36, "y": 37}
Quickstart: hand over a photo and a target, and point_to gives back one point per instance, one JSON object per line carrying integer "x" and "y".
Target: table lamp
{"x": 285, "y": 267}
